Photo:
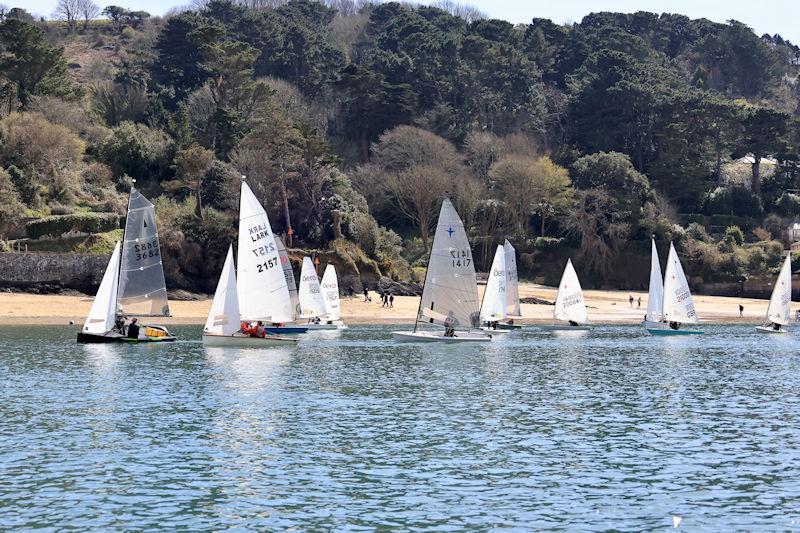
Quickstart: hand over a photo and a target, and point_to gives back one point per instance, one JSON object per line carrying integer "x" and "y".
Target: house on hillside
{"x": 791, "y": 233}
{"x": 740, "y": 171}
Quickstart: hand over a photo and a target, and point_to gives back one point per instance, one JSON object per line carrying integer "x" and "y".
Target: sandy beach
{"x": 605, "y": 307}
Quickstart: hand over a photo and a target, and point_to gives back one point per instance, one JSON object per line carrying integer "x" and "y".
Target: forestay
{"x": 311, "y": 299}
{"x": 142, "y": 291}
{"x": 263, "y": 294}
{"x": 288, "y": 273}
{"x": 223, "y": 318}
{"x": 450, "y": 294}
{"x": 330, "y": 292}
{"x": 102, "y": 314}
{"x": 780, "y": 304}
{"x": 512, "y": 281}
{"x": 655, "y": 295}
{"x": 569, "y": 302}
{"x": 678, "y": 304}
{"x": 494, "y": 297}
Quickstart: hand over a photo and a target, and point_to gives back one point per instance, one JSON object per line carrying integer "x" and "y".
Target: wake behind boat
{"x": 780, "y": 303}
{"x": 677, "y": 304}
{"x": 450, "y": 292}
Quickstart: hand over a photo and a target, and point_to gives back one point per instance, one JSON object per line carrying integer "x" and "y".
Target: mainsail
{"x": 312, "y": 302}
{"x": 288, "y": 273}
{"x": 223, "y": 318}
{"x": 142, "y": 291}
{"x": 678, "y": 304}
{"x": 263, "y": 293}
{"x": 330, "y": 292}
{"x": 655, "y": 296}
{"x": 450, "y": 295}
{"x": 780, "y": 304}
{"x": 512, "y": 282}
{"x": 569, "y": 302}
{"x": 494, "y": 297}
{"x": 102, "y": 314}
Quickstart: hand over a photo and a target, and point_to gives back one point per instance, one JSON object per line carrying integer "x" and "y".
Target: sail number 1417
{"x": 461, "y": 258}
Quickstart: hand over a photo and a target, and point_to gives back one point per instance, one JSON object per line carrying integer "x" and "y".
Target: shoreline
{"x": 605, "y": 308}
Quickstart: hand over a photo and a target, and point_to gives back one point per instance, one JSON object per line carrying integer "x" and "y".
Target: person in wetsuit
{"x": 133, "y": 329}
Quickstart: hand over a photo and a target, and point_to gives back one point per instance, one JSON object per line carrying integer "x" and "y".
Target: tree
{"x": 88, "y": 10}
{"x": 595, "y": 221}
{"x": 118, "y": 16}
{"x": 417, "y": 191}
{"x": 191, "y": 166}
{"x": 12, "y": 210}
{"x": 138, "y": 151}
{"x": 531, "y": 186}
{"x": 30, "y": 64}
{"x": 764, "y": 133}
{"x": 69, "y": 10}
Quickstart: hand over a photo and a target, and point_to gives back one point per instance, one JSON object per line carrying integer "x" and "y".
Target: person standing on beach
{"x": 366, "y": 294}
{"x": 741, "y": 310}
{"x": 639, "y": 302}
{"x": 630, "y": 300}
{"x": 391, "y": 300}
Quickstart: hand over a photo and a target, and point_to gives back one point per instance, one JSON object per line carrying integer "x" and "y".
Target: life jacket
{"x": 247, "y": 329}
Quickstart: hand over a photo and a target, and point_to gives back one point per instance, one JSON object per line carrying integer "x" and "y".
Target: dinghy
{"x": 450, "y": 292}
{"x": 570, "y": 307}
{"x": 330, "y": 293}
{"x": 493, "y": 307}
{"x": 294, "y": 297}
{"x": 312, "y": 301}
{"x": 264, "y": 295}
{"x": 678, "y": 306}
{"x": 655, "y": 294}
{"x": 512, "y": 289}
{"x": 223, "y": 325}
{"x": 780, "y": 303}
{"x": 133, "y": 283}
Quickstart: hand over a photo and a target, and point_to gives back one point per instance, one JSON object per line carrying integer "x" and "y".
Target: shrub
{"x": 57, "y": 225}
{"x": 733, "y": 201}
{"x": 788, "y": 204}
{"x": 735, "y": 234}
{"x": 24, "y": 186}
{"x": 697, "y": 232}
{"x": 11, "y": 208}
{"x": 138, "y": 151}
{"x": 727, "y": 220}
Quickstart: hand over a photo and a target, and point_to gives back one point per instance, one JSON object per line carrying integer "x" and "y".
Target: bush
{"x": 733, "y": 201}
{"x": 788, "y": 204}
{"x": 735, "y": 234}
{"x": 138, "y": 151}
{"x": 694, "y": 218}
{"x": 697, "y": 232}
{"x": 11, "y": 208}
{"x": 727, "y": 220}
{"x": 57, "y": 225}
{"x": 24, "y": 186}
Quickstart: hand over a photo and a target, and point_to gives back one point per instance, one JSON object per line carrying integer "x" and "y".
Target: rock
{"x": 398, "y": 288}
{"x": 180, "y": 295}
{"x": 537, "y": 301}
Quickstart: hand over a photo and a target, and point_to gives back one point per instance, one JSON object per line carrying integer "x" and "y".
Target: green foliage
{"x": 788, "y": 204}
{"x": 732, "y": 201}
{"x": 138, "y": 151}
{"x": 11, "y": 207}
{"x": 735, "y": 234}
{"x": 23, "y": 185}
{"x": 56, "y": 225}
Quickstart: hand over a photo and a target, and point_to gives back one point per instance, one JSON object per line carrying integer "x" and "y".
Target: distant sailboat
{"x": 779, "y": 311}
{"x": 655, "y": 294}
{"x": 678, "y": 306}
{"x": 312, "y": 299}
{"x": 330, "y": 293}
{"x": 450, "y": 293}
{"x": 133, "y": 283}
{"x": 512, "y": 289}
{"x": 493, "y": 308}
{"x": 570, "y": 308}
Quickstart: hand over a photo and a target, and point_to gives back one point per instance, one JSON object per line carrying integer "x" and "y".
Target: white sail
{"x": 312, "y": 302}
{"x": 450, "y": 294}
{"x": 288, "y": 273}
{"x": 678, "y": 304}
{"x": 655, "y": 295}
{"x": 104, "y": 307}
{"x": 330, "y": 292}
{"x": 780, "y": 304}
{"x": 142, "y": 291}
{"x": 494, "y": 297}
{"x": 263, "y": 294}
{"x": 569, "y": 302}
{"x": 512, "y": 281}
{"x": 223, "y": 317}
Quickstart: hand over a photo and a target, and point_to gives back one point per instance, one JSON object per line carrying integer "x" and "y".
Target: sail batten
{"x": 142, "y": 290}
{"x": 450, "y": 295}
{"x": 655, "y": 294}
{"x": 512, "y": 281}
{"x": 678, "y": 304}
{"x": 780, "y": 303}
{"x": 493, "y": 307}
{"x": 570, "y": 305}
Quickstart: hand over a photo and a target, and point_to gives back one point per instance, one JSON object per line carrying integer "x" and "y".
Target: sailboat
{"x": 450, "y": 293}
{"x": 493, "y": 308}
{"x": 133, "y": 283}
{"x": 294, "y": 297}
{"x": 312, "y": 301}
{"x": 223, "y": 325}
{"x": 330, "y": 293}
{"x": 512, "y": 289}
{"x": 570, "y": 306}
{"x": 780, "y": 303}
{"x": 677, "y": 305}
{"x": 655, "y": 293}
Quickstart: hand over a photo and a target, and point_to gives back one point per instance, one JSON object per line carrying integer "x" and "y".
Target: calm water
{"x": 614, "y": 430}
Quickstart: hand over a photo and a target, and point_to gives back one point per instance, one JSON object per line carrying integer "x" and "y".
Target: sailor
{"x": 776, "y": 327}
{"x": 449, "y": 323}
{"x": 119, "y": 325}
{"x": 133, "y": 329}
{"x": 673, "y": 325}
{"x": 573, "y": 323}
{"x": 260, "y": 332}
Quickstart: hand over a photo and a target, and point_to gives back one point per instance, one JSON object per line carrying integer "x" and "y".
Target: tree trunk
{"x": 286, "y": 216}
{"x": 543, "y": 219}
{"x": 756, "y": 182}
{"x": 198, "y": 209}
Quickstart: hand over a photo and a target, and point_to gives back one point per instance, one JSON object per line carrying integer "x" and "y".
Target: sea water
{"x": 351, "y": 431}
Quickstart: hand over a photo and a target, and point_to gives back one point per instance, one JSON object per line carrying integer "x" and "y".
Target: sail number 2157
{"x": 461, "y": 258}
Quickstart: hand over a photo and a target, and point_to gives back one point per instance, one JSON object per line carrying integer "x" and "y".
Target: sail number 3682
{"x": 146, "y": 250}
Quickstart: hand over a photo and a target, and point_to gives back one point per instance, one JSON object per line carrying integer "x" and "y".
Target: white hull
{"x": 770, "y": 330}
{"x": 487, "y": 329}
{"x": 563, "y": 327}
{"x": 244, "y": 341}
{"x": 322, "y": 326}
{"x": 438, "y": 336}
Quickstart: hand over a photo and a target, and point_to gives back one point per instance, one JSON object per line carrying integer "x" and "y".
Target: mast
{"x": 122, "y": 248}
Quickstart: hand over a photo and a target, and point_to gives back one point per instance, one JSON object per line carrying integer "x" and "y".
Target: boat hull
{"x": 563, "y": 327}
{"x": 113, "y": 337}
{"x": 510, "y": 327}
{"x": 669, "y": 332}
{"x": 286, "y": 330}
{"x": 437, "y": 336}
{"x": 326, "y": 327}
{"x": 768, "y": 330}
{"x": 245, "y": 341}
{"x": 499, "y": 330}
